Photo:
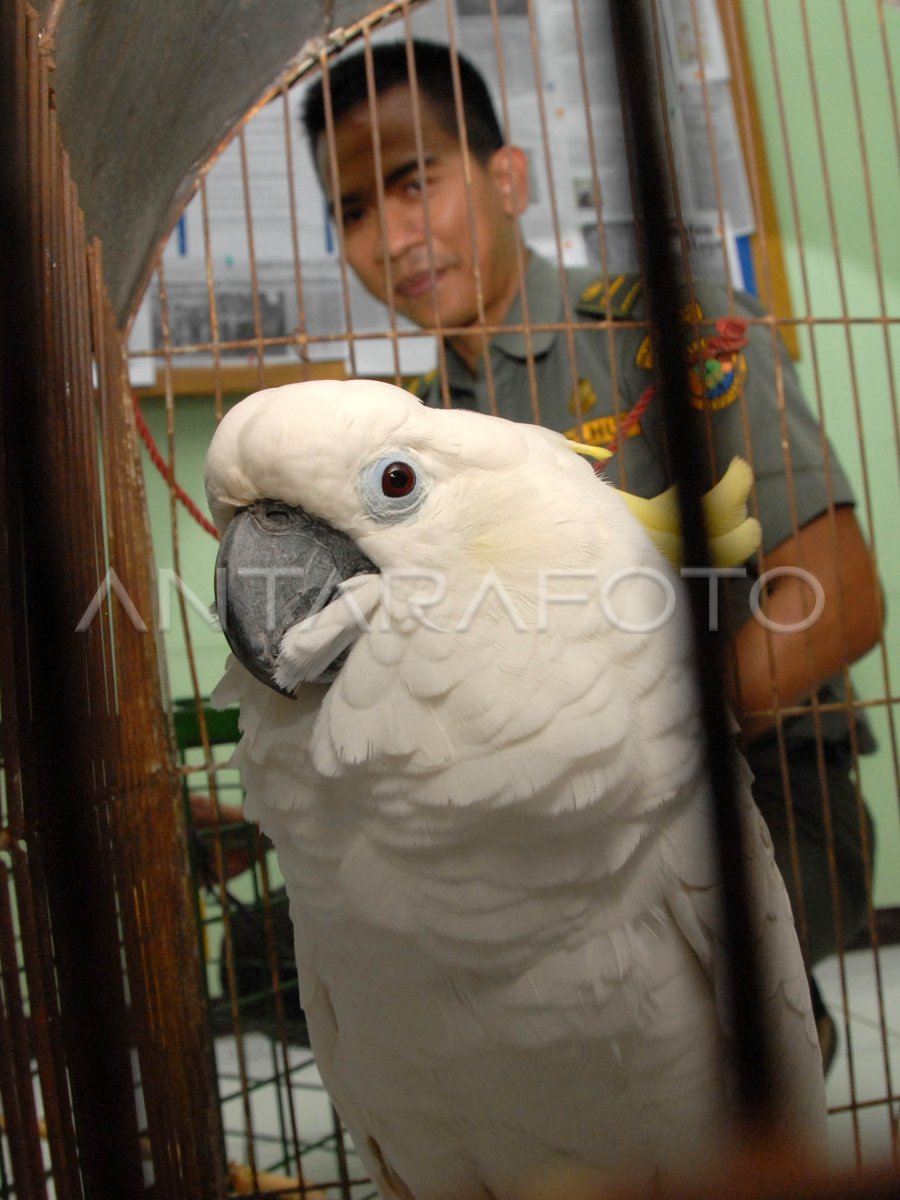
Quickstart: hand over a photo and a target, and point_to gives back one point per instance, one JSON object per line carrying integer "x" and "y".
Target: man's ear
{"x": 509, "y": 169}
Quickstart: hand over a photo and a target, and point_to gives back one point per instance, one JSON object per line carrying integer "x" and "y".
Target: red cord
{"x": 631, "y": 418}
{"x": 165, "y": 470}
{"x": 732, "y": 336}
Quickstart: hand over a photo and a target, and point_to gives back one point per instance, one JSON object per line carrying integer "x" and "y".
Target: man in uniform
{"x": 428, "y": 221}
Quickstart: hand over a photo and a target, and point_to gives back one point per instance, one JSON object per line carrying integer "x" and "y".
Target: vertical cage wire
{"x": 106, "y": 1084}
{"x": 797, "y": 319}
{"x": 121, "y": 762}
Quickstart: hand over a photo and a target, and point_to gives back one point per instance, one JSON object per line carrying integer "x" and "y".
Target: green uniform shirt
{"x": 734, "y": 397}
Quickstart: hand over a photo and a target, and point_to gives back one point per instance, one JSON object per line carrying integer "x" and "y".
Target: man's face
{"x": 422, "y": 245}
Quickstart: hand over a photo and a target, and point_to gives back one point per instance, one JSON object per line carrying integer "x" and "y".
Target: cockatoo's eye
{"x": 392, "y": 487}
{"x": 398, "y": 480}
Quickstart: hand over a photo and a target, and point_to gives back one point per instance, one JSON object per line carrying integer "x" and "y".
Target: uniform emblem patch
{"x": 597, "y": 293}
{"x": 421, "y": 385}
{"x": 583, "y": 397}
{"x": 717, "y": 382}
{"x": 621, "y": 295}
{"x": 602, "y": 431}
{"x": 717, "y": 370}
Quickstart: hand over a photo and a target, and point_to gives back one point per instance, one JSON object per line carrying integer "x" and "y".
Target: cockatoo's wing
{"x": 695, "y": 902}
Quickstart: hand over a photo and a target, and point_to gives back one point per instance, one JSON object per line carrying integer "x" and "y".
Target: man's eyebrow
{"x": 407, "y": 168}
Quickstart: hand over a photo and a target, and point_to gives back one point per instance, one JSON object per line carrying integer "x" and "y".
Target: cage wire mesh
{"x": 253, "y": 290}
{"x": 104, "y": 1089}
{"x": 783, "y": 141}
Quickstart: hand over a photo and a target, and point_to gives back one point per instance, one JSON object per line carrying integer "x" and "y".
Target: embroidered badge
{"x": 421, "y": 385}
{"x": 602, "y": 431}
{"x": 717, "y": 382}
{"x": 596, "y": 293}
{"x": 720, "y": 369}
{"x": 621, "y": 296}
{"x": 583, "y": 397}
{"x": 717, "y": 370}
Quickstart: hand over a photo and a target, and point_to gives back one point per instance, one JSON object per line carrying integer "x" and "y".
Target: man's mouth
{"x": 419, "y": 283}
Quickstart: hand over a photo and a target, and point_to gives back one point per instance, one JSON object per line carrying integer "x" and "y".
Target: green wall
{"x": 842, "y": 253}
{"x": 194, "y": 424}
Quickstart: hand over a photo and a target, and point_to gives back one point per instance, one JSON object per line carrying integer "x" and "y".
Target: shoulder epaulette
{"x": 421, "y": 385}
{"x": 618, "y": 296}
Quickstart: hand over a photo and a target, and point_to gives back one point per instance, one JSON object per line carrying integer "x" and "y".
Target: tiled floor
{"x": 865, "y": 1073}
{"x": 276, "y": 1111}
{"x": 864, "y": 1000}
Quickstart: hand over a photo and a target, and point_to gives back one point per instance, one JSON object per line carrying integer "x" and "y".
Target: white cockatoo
{"x": 470, "y": 728}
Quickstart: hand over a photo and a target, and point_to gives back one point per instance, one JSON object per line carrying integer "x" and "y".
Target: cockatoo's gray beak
{"x": 276, "y": 566}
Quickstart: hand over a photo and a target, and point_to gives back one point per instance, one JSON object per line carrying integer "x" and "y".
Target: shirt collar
{"x": 542, "y": 286}
{"x": 542, "y": 289}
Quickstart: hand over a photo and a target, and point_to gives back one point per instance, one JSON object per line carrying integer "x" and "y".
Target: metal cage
{"x": 152, "y": 1043}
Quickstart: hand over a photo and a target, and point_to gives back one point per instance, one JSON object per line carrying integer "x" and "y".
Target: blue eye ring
{"x": 393, "y": 486}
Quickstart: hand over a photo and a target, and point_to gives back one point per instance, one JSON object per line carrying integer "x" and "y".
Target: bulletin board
{"x": 258, "y": 233}
{"x": 765, "y": 246}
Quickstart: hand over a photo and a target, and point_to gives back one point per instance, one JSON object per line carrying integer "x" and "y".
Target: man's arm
{"x": 832, "y": 549}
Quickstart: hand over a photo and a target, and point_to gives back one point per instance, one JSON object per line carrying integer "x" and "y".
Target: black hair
{"x": 348, "y": 86}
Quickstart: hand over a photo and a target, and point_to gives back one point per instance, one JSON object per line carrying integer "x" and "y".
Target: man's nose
{"x": 403, "y": 228}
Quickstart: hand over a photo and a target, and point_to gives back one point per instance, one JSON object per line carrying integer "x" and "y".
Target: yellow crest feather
{"x": 599, "y": 452}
